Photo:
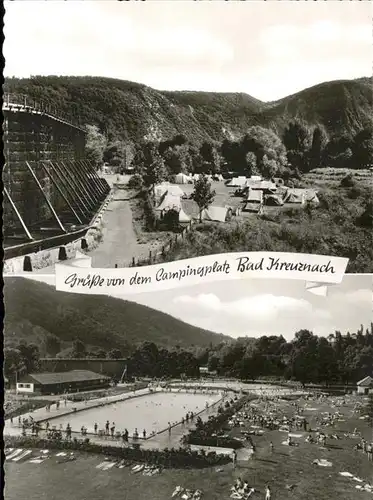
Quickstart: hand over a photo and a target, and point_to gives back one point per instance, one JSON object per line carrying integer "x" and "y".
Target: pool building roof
{"x": 49, "y": 378}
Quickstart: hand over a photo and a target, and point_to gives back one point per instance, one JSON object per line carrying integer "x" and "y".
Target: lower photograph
{"x": 259, "y": 389}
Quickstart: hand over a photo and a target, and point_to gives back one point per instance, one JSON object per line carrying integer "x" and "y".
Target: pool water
{"x": 151, "y": 412}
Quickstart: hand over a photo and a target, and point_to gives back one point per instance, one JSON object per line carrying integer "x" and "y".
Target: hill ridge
{"x": 129, "y": 110}
{"x": 35, "y": 310}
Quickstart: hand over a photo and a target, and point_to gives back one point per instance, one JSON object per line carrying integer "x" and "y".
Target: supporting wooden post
{"x": 78, "y": 178}
{"x": 77, "y": 167}
{"x": 92, "y": 172}
{"x": 74, "y": 186}
{"x": 61, "y": 192}
{"x": 18, "y": 214}
{"x": 133, "y": 262}
{"x": 54, "y": 213}
{"x": 92, "y": 188}
{"x": 69, "y": 189}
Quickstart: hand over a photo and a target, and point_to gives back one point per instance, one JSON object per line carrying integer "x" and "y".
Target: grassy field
{"x": 284, "y": 467}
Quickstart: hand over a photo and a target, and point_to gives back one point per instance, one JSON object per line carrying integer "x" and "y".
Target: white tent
{"x": 237, "y": 182}
{"x": 169, "y": 202}
{"x": 182, "y": 178}
{"x": 255, "y": 196}
{"x": 175, "y": 190}
{"x": 261, "y": 185}
{"x": 301, "y": 196}
{"x": 161, "y": 189}
{"x": 183, "y": 217}
{"x": 216, "y": 214}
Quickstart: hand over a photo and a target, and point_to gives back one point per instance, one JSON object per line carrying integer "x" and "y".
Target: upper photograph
{"x": 146, "y": 132}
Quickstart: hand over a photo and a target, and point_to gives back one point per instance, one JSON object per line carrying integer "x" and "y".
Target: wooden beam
{"x": 17, "y": 214}
{"x": 54, "y": 213}
{"x": 75, "y": 185}
{"x": 85, "y": 181}
{"x": 70, "y": 188}
{"x": 78, "y": 180}
{"x": 61, "y": 193}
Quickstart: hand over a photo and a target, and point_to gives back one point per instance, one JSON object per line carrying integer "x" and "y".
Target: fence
{"x": 27, "y": 103}
{"x": 157, "y": 256}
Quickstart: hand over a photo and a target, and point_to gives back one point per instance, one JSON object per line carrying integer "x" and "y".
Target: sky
{"x": 259, "y": 307}
{"x": 266, "y": 49}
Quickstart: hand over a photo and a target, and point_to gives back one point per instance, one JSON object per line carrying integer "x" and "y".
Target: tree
{"x": 251, "y": 164}
{"x": 319, "y": 141}
{"x": 296, "y": 137}
{"x": 96, "y": 144}
{"x": 268, "y": 148}
{"x": 115, "y": 154}
{"x": 362, "y": 148}
{"x": 115, "y": 354}
{"x": 13, "y": 362}
{"x": 30, "y": 356}
{"x": 78, "y": 349}
{"x": 171, "y": 219}
{"x": 149, "y": 164}
{"x": 203, "y": 194}
{"x": 210, "y": 158}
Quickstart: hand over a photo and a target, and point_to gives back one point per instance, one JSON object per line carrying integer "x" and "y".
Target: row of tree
{"x": 259, "y": 151}
{"x": 147, "y": 359}
{"x": 307, "y": 358}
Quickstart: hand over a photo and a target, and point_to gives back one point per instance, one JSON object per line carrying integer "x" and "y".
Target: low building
{"x": 205, "y": 372}
{"x": 57, "y": 383}
{"x": 365, "y": 386}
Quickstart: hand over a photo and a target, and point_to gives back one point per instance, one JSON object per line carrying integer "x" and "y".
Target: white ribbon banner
{"x": 317, "y": 270}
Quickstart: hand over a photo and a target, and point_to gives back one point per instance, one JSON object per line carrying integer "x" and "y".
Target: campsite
{"x": 307, "y": 216}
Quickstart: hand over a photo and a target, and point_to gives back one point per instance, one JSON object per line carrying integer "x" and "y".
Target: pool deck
{"x": 161, "y": 440}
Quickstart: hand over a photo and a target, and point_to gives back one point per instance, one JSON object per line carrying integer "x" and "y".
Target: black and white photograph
{"x": 215, "y": 391}
{"x": 140, "y": 133}
{"x": 144, "y": 132}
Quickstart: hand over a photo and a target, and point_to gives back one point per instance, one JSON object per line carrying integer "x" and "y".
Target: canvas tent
{"x": 237, "y": 182}
{"x": 216, "y": 214}
{"x": 265, "y": 186}
{"x": 274, "y": 200}
{"x": 169, "y": 202}
{"x": 183, "y": 217}
{"x": 182, "y": 178}
{"x": 295, "y": 196}
{"x": 254, "y": 196}
{"x": 175, "y": 190}
{"x": 254, "y": 201}
{"x": 161, "y": 189}
{"x": 301, "y": 196}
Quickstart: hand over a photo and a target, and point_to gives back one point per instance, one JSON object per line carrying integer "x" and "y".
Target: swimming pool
{"x": 151, "y": 412}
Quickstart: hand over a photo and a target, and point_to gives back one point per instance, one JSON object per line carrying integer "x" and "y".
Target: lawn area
{"x": 283, "y": 467}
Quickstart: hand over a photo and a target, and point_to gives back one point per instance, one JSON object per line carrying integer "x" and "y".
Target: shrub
{"x": 347, "y": 181}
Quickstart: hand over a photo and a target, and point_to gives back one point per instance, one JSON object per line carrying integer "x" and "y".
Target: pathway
{"x": 119, "y": 244}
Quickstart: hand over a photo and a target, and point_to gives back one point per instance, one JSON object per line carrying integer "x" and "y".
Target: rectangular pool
{"x": 151, "y": 412}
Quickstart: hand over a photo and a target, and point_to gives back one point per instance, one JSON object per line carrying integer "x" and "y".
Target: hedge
{"x": 206, "y": 432}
